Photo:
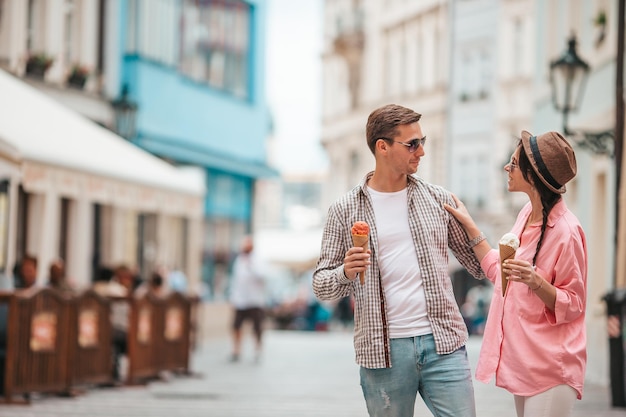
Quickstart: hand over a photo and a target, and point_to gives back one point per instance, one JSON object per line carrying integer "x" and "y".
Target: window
{"x": 31, "y": 23}
{"x": 485, "y": 74}
{"x": 69, "y": 19}
{"x": 518, "y": 44}
{"x": 23, "y": 203}
{"x": 96, "y": 242}
{"x": 64, "y": 228}
{"x": 36, "y": 26}
{"x": 147, "y": 243}
{"x": 215, "y": 43}
{"x": 153, "y": 29}
{"x": 4, "y": 33}
{"x": 4, "y": 223}
{"x": 355, "y": 163}
{"x": 1, "y": 13}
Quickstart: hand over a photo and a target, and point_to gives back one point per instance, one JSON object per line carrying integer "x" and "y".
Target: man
{"x": 57, "y": 278}
{"x": 154, "y": 286}
{"x": 247, "y": 296}
{"x": 409, "y": 334}
{"x": 26, "y": 272}
{"x": 117, "y": 285}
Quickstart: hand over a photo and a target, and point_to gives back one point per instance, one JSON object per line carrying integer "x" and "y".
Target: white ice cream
{"x": 510, "y": 239}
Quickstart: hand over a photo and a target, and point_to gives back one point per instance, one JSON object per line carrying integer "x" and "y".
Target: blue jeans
{"x": 443, "y": 381}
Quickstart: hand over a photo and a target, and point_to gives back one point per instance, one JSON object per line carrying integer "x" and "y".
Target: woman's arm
{"x": 461, "y": 214}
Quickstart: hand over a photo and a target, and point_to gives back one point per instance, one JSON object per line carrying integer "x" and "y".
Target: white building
{"x": 73, "y": 34}
{"x": 377, "y": 53}
{"x": 70, "y": 188}
{"x": 487, "y": 111}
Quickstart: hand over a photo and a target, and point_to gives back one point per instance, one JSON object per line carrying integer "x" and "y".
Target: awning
{"x": 45, "y": 133}
{"x": 8, "y": 151}
{"x": 201, "y": 156}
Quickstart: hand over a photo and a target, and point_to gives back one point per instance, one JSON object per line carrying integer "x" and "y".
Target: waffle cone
{"x": 362, "y": 241}
{"x": 506, "y": 252}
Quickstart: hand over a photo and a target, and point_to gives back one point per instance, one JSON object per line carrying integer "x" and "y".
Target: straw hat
{"x": 551, "y": 157}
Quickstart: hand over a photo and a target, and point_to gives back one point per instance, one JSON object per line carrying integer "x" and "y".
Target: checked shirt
{"x": 434, "y": 230}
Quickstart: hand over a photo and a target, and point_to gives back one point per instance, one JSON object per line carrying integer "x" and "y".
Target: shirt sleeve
{"x": 329, "y": 280}
{"x": 570, "y": 282}
{"x": 491, "y": 265}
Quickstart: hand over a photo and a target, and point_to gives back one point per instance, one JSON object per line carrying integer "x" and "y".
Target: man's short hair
{"x": 383, "y": 123}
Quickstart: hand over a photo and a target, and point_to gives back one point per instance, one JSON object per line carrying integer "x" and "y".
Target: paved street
{"x": 300, "y": 375}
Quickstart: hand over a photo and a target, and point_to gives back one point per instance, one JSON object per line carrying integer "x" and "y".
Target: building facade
{"x": 196, "y": 70}
{"x": 76, "y": 190}
{"x": 375, "y": 53}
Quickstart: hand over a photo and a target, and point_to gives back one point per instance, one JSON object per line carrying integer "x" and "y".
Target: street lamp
{"x": 125, "y": 113}
{"x": 568, "y": 77}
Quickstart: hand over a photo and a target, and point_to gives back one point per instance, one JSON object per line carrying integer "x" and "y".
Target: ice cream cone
{"x": 506, "y": 252}
{"x": 362, "y": 241}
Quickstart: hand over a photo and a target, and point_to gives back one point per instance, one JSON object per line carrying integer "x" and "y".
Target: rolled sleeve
{"x": 570, "y": 283}
{"x": 491, "y": 265}
{"x": 329, "y": 280}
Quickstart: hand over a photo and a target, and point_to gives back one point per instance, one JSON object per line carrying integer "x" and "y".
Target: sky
{"x": 294, "y": 47}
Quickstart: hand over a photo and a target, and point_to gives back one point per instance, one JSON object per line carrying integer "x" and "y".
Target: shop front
{"x": 74, "y": 190}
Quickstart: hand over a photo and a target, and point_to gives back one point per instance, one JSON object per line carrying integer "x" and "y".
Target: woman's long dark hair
{"x": 548, "y": 197}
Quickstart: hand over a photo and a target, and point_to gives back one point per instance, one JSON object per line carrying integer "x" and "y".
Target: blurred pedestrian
{"x": 118, "y": 286}
{"x": 534, "y": 341}
{"x": 57, "y": 278}
{"x": 409, "y": 334}
{"x": 247, "y": 296}
{"x": 177, "y": 280}
{"x": 26, "y": 272}
{"x": 155, "y": 286}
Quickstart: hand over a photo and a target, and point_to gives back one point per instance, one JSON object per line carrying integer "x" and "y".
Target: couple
{"x": 409, "y": 335}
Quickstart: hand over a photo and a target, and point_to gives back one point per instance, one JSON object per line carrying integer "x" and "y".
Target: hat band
{"x": 541, "y": 166}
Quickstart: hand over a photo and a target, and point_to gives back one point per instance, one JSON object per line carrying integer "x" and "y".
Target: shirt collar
{"x": 559, "y": 209}
{"x": 412, "y": 180}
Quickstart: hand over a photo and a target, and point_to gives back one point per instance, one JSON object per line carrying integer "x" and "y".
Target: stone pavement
{"x": 301, "y": 374}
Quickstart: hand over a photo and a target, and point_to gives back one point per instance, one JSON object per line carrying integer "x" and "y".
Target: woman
{"x": 534, "y": 341}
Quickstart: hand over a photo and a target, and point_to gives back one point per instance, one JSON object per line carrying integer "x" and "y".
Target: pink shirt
{"x": 528, "y": 347}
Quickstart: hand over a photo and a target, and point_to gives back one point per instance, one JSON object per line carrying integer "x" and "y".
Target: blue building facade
{"x": 196, "y": 69}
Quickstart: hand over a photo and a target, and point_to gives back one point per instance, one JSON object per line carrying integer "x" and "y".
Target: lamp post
{"x": 568, "y": 77}
{"x": 125, "y": 112}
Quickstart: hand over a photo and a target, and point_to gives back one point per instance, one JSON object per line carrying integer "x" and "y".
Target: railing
{"x": 54, "y": 343}
{"x": 173, "y": 318}
{"x": 142, "y": 339}
{"x": 37, "y": 343}
{"x": 90, "y": 360}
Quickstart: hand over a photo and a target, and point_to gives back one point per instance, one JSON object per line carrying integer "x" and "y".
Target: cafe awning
{"x": 44, "y": 131}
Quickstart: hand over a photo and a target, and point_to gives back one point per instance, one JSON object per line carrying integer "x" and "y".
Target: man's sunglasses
{"x": 413, "y": 144}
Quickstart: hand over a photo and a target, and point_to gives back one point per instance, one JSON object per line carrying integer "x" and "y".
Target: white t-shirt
{"x": 399, "y": 268}
{"x": 248, "y": 285}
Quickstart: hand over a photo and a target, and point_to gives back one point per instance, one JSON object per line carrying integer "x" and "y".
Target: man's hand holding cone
{"x": 361, "y": 238}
